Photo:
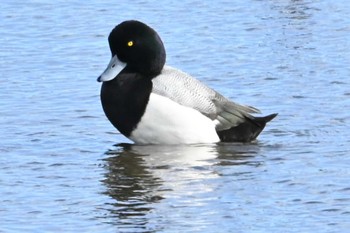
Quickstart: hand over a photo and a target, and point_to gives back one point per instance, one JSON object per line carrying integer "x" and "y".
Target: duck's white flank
{"x": 167, "y": 122}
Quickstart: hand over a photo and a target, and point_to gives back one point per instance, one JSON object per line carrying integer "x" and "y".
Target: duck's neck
{"x": 124, "y": 100}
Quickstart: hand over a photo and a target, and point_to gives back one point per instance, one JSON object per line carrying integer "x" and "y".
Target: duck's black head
{"x": 135, "y": 48}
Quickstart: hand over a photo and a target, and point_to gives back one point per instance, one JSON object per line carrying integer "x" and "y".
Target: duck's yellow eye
{"x": 130, "y": 43}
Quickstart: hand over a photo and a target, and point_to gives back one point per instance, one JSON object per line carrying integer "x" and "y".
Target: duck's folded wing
{"x": 185, "y": 90}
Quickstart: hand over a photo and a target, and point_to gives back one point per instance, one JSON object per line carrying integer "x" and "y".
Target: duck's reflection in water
{"x": 139, "y": 177}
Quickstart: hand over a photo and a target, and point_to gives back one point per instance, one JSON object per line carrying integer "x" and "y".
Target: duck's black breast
{"x": 124, "y": 100}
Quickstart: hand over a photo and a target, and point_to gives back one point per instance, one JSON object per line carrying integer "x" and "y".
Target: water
{"x": 63, "y": 167}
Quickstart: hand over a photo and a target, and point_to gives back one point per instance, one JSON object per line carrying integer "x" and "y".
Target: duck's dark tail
{"x": 246, "y": 131}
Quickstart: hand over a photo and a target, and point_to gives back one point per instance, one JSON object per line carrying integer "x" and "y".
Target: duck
{"x": 150, "y": 102}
